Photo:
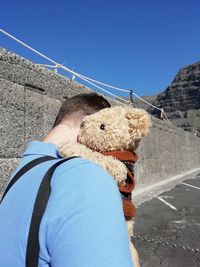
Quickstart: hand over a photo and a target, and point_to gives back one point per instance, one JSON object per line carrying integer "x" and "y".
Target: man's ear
{"x": 139, "y": 122}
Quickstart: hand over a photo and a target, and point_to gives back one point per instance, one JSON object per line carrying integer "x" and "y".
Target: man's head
{"x": 74, "y": 109}
{"x": 71, "y": 113}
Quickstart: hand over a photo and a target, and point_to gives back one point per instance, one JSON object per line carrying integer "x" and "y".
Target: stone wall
{"x": 30, "y": 98}
{"x": 166, "y": 157}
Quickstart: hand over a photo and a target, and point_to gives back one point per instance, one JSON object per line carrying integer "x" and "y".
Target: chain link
{"x": 166, "y": 243}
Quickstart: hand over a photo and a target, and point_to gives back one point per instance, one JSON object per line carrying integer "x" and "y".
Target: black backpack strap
{"x": 23, "y": 170}
{"x": 33, "y": 248}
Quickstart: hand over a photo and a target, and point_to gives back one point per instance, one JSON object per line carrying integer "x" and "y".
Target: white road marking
{"x": 167, "y": 203}
{"x": 180, "y": 221}
{"x": 192, "y": 186}
{"x": 167, "y": 197}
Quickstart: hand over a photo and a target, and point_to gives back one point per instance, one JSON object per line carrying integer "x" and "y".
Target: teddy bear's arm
{"x": 116, "y": 168}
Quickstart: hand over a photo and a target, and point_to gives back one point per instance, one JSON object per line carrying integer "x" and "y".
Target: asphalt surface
{"x": 177, "y": 221}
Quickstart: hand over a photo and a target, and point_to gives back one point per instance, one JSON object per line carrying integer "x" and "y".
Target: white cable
{"x": 120, "y": 89}
{"x": 167, "y": 118}
{"x": 27, "y": 46}
{"x": 113, "y": 87}
{"x": 46, "y": 65}
{"x": 85, "y": 78}
{"x": 107, "y": 85}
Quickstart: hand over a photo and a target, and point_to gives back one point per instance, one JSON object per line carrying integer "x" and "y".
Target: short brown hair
{"x": 82, "y": 104}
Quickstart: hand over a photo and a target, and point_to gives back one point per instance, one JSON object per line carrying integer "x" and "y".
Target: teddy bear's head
{"x": 115, "y": 128}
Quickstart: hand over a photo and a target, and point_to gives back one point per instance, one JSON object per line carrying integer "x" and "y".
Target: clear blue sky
{"x": 130, "y": 44}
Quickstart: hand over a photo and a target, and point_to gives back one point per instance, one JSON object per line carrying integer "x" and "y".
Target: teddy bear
{"x": 109, "y": 138}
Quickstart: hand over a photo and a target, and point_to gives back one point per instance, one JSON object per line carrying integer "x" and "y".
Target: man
{"x": 83, "y": 224}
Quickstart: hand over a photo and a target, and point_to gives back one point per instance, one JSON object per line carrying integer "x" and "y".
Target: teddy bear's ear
{"x": 139, "y": 122}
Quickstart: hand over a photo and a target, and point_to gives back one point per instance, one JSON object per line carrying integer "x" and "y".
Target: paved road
{"x": 175, "y": 221}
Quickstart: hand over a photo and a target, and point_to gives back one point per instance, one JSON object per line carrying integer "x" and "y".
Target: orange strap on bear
{"x": 128, "y": 158}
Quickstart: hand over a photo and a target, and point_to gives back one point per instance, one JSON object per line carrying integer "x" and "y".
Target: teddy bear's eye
{"x": 102, "y": 126}
{"x": 82, "y": 124}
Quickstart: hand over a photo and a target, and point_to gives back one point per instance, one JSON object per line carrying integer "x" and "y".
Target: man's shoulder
{"x": 74, "y": 164}
{"x": 79, "y": 168}
{"x": 79, "y": 180}
{"x": 84, "y": 175}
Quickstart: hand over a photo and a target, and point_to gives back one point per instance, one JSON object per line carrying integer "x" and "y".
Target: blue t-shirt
{"x": 83, "y": 225}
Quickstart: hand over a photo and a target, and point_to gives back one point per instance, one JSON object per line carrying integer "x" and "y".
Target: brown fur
{"x": 116, "y": 128}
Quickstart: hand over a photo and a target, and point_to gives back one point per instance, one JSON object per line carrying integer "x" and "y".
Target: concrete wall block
{"x": 11, "y": 132}
{"x": 40, "y": 114}
{"x": 11, "y": 95}
{"x": 13, "y": 73}
{"x": 194, "y": 151}
{"x": 7, "y": 166}
{"x": 23, "y": 76}
{"x": 11, "y": 119}
{"x": 166, "y": 152}
{"x": 51, "y": 108}
{"x": 34, "y": 115}
{"x": 41, "y": 80}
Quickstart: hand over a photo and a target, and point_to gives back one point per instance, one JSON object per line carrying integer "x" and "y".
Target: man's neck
{"x": 62, "y": 133}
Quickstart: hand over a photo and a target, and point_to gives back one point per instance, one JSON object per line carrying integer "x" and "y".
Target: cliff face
{"x": 181, "y": 100}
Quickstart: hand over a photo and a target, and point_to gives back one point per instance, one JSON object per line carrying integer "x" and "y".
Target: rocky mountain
{"x": 181, "y": 100}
